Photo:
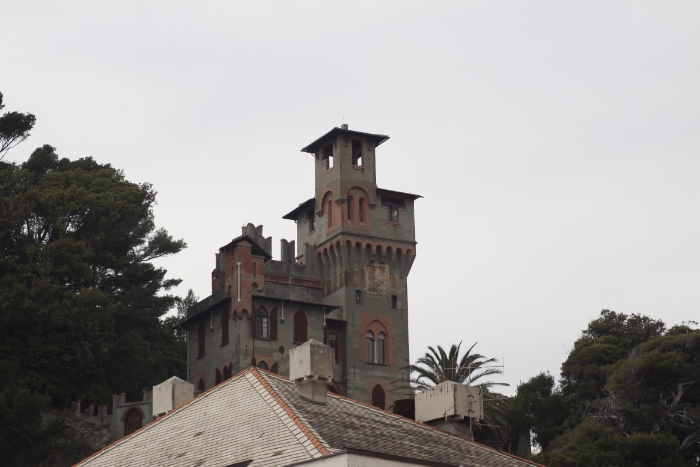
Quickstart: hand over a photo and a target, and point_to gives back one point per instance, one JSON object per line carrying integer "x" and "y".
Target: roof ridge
{"x": 114, "y": 444}
{"x": 425, "y": 425}
{"x": 311, "y": 434}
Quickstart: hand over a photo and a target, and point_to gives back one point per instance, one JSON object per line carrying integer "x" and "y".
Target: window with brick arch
{"x": 350, "y": 202}
{"x": 201, "y": 336}
{"x": 329, "y": 214}
{"x": 380, "y": 347}
{"x": 275, "y": 368}
{"x": 224, "y": 327}
{"x": 218, "y": 377}
{"x": 262, "y": 324}
{"x": 369, "y": 347}
{"x": 361, "y": 210}
{"x": 227, "y": 372}
{"x": 300, "y": 327}
{"x": 263, "y": 366}
{"x": 378, "y": 397}
{"x": 132, "y": 421}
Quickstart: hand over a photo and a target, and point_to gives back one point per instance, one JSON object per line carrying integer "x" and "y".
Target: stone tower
{"x": 342, "y": 282}
{"x": 363, "y": 241}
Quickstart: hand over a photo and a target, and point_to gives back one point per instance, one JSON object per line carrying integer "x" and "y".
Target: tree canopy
{"x": 628, "y": 396}
{"x": 81, "y": 303}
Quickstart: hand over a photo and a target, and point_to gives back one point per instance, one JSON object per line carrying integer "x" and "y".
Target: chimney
{"x": 344, "y": 126}
{"x": 171, "y": 394}
{"x": 451, "y": 406}
{"x": 311, "y": 370}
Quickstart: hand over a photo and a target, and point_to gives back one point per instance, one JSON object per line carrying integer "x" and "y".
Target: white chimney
{"x": 311, "y": 370}
{"x": 171, "y": 394}
{"x": 450, "y": 406}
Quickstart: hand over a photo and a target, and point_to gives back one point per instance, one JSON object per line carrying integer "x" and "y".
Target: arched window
{"x": 263, "y": 366}
{"x": 200, "y": 385}
{"x": 380, "y": 348}
{"x": 201, "y": 335}
{"x": 369, "y": 347}
{"x": 224, "y": 327}
{"x": 132, "y": 421}
{"x": 218, "y": 377}
{"x": 262, "y": 324}
{"x": 361, "y": 210}
{"x": 329, "y": 214}
{"x": 300, "y": 325}
{"x": 349, "y": 203}
{"x": 378, "y": 397}
{"x": 275, "y": 368}
{"x": 227, "y": 372}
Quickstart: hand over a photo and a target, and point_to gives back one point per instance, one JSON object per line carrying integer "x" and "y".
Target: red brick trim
{"x": 302, "y": 426}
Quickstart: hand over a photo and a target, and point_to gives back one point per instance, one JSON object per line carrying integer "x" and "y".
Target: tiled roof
{"x": 348, "y": 424}
{"x": 259, "y": 416}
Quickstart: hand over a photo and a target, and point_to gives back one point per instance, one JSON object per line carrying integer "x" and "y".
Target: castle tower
{"x": 342, "y": 282}
{"x": 363, "y": 241}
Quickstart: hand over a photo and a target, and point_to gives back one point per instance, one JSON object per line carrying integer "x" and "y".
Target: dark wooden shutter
{"x": 224, "y": 327}
{"x": 255, "y": 320}
{"x": 273, "y": 324}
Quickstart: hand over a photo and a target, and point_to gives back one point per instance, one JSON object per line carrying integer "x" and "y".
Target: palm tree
{"x": 438, "y": 366}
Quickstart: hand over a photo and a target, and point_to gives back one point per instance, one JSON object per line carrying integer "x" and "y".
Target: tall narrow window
{"x": 312, "y": 220}
{"x": 357, "y": 153}
{"x": 394, "y": 302}
{"x": 369, "y": 347}
{"x": 218, "y": 378}
{"x": 255, "y": 268}
{"x": 274, "y": 368}
{"x": 201, "y": 335}
{"x": 262, "y": 325}
{"x": 380, "y": 348}
{"x": 273, "y": 324}
{"x": 360, "y": 210}
{"x": 132, "y": 421}
{"x": 349, "y": 204}
{"x": 378, "y": 397}
{"x": 329, "y": 214}
{"x": 300, "y": 327}
{"x": 227, "y": 372}
{"x": 200, "y": 385}
{"x": 333, "y": 344}
{"x": 328, "y": 156}
{"x": 224, "y": 327}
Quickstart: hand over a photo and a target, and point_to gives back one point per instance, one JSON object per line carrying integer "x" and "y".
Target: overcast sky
{"x": 556, "y": 143}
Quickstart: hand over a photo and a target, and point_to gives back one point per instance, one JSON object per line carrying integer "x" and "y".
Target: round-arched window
{"x": 369, "y": 346}
{"x": 380, "y": 348}
{"x": 132, "y": 421}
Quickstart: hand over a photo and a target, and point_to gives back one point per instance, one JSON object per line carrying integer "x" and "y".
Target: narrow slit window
{"x": 394, "y": 302}
{"x": 358, "y": 297}
{"x": 329, "y": 214}
{"x": 360, "y": 210}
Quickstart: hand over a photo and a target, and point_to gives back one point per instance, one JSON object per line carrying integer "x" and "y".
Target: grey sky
{"x": 556, "y": 143}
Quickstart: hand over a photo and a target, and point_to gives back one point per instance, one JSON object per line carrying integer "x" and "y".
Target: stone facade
{"x": 343, "y": 282}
